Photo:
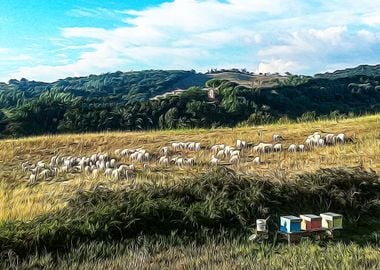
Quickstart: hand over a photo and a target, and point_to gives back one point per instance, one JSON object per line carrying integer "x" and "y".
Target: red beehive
{"x": 311, "y": 222}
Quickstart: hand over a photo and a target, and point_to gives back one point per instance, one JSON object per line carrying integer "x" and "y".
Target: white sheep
{"x": 33, "y": 179}
{"x": 341, "y": 138}
{"x": 256, "y": 160}
{"x": 330, "y": 139}
{"x": 321, "y": 142}
{"x": 164, "y": 161}
{"x": 217, "y": 147}
{"x": 292, "y": 148}
{"x": 214, "y": 160}
{"x": 190, "y": 161}
{"x": 277, "y": 138}
{"x": 164, "y": 150}
{"x": 197, "y": 147}
{"x": 301, "y": 148}
{"x": 277, "y": 147}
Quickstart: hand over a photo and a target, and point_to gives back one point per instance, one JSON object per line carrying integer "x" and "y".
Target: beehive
{"x": 290, "y": 224}
{"x": 332, "y": 220}
{"x": 311, "y": 222}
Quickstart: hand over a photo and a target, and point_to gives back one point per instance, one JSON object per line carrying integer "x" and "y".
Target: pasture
{"x": 20, "y": 200}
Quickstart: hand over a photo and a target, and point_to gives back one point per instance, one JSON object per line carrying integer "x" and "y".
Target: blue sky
{"x": 49, "y": 39}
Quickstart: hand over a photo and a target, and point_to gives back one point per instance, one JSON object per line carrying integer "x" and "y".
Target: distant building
{"x": 211, "y": 93}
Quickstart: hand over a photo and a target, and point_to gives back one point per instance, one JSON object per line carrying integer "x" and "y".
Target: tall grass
{"x": 216, "y": 252}
{"x": 208, "y": 202}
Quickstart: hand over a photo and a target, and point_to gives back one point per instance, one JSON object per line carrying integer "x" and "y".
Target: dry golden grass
{"x": 20, "y": 201}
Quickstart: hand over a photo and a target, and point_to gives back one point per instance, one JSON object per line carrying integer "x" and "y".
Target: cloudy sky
{"x": 50, "y": 39}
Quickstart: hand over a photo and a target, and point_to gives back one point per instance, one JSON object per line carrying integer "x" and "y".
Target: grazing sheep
{"x": 321, "y": 142}
{"x": 197, "y": 147}
{"x": 238, "y": 143}
{"x": 234, "y": 153}
{"x": 330, "y": 139}
{"x": 125, "y": 152}
{"x": 292, "y": 148}
{"x": 277, "y": 138}
{"x": 190, "y": 146}
{"x": 164, "y": 161}
{"x": 214, "y": 160}
{"x": 190, "y": 162}
{"x": 179, "y": 162}
{"x": 45, "y": 174}
{"x": 33, "y": 179}
{"x": 301, "y": 148}
{"x": 146, "y": 156}
{"x": 241, "y": 144}
{"x": 217, "y": 147}
{"x": 341, "y": 138}
{"x": 176, "y": 146}
{"x": 256, "y": 161}
{"x": 164, "y": 150}
{"x": 24, "y": 167}
{"x": 113, "y": 163}
{"x": 277, "y": 147}
{"x": 263, "y": 148}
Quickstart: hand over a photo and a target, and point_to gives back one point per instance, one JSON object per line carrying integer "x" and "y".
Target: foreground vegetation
{"x": 214, "y": 203}
{"x": 221, "y": 252}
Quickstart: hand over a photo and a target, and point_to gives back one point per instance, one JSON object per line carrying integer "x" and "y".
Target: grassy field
{"x": 46, "y": 203}
{"x": 20, "y": 201}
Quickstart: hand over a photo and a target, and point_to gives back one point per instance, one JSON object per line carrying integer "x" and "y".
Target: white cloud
{"x": 368, "y": 36}
{"x": 278, "y": 65}
{"x": 282, "y": 35}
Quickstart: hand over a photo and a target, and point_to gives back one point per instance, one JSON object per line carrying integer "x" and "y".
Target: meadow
{"x": 175, "y": 217}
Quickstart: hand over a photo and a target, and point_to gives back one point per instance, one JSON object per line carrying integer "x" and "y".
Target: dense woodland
{"x": 121, "y": 101}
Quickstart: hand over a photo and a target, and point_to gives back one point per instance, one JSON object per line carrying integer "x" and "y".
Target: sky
{"x": 47, "y": 40}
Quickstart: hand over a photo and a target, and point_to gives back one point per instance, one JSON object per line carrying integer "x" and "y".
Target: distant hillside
{"x": 126, "y": 101}
{"x": 119, "y": 86}
{"x": 363, "y": 70}
{"x": 250, "y": 80}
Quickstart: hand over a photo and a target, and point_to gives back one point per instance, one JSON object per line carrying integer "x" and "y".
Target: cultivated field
{"x": 20, "y": 200}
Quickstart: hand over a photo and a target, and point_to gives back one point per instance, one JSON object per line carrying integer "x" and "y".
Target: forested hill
{"x": 120, "y": 101}
{"x": 120, "y": 86}
{"x": 362, "y": 70}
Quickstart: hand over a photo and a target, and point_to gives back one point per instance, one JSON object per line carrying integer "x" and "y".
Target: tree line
{"x": 53, "y": 111}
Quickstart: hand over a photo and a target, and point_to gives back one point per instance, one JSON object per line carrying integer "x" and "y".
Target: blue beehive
{"x": 290, "y": 224}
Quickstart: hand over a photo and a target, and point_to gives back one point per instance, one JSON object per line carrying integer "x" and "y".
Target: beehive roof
{"x": 291, "y": 218}
{"x": 309, "y": 217}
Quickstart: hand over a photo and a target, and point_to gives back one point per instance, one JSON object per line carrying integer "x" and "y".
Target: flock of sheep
{"x": 103, "y": 164}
